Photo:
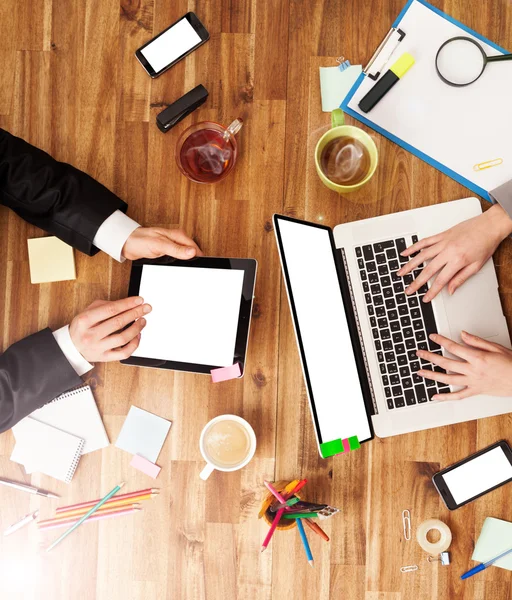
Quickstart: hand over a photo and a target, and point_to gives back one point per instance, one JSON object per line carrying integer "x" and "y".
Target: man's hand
{"x": 96, "y": 333}
{"x": 485, "y": 368}
{"x": 458, "y": 253}
{"x": 153, "y": 242}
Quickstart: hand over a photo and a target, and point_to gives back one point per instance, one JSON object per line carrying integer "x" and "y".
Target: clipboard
{"x": 456, "y": 130}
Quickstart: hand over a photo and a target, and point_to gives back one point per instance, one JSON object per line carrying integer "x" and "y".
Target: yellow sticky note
{"x": 50, "y": 260}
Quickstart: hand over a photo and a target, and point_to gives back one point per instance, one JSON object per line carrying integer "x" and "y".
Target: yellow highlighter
{"x": 386, "y": 82}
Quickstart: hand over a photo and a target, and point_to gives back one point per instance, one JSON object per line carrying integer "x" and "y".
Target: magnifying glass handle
{"x": 499, "y": 57}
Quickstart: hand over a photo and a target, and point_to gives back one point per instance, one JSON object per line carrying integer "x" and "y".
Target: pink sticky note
{"x": 346, "y": 445}
{"x": 226, "y": 373}
{"x": 145, "y": 466}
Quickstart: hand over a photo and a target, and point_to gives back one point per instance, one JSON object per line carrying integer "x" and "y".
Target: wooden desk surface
{"x": 71, "y": 85}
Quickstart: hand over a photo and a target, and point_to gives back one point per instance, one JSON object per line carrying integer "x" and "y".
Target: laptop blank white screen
{"x": 321, "y": 324}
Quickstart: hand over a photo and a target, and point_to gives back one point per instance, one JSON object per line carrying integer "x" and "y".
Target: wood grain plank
{"x": 71, "y": 85}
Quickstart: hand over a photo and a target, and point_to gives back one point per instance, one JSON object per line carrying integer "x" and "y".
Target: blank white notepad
{"x": 47, "y": 449}
{"x": 76, "y": 412}
{"x": 143, "y": 433}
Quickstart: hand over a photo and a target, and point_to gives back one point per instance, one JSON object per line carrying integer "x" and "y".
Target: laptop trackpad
{"x": 473, "y": 308}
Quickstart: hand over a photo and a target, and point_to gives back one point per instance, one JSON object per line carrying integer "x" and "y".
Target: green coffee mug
{"x": 339, "y": 129}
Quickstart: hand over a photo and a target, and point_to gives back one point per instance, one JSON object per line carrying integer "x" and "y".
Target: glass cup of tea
{"x": 227, "y": 443}
{"x": 206, "y": 152}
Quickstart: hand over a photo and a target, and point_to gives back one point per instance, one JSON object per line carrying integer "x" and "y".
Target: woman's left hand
{"x": 484, "y": 368}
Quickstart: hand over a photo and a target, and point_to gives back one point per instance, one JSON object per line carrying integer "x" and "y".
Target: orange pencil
{"x": 152, "y": 491}
{"x": 114, "y": 504}
{"x": 97, "y": 516}
{"x": 317, "y": 529}
{"x": 73, "y": 518}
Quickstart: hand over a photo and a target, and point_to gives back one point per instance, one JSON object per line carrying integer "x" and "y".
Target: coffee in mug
{"x": 227, "y": 443}
{"x": 345, "y": 161}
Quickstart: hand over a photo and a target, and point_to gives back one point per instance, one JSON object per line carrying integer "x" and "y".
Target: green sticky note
{"x": 354, "y": 442}
{"x": 331, "y": 448}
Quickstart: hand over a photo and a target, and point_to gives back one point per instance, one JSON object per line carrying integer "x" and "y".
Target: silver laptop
{"x": 358, "y": 332}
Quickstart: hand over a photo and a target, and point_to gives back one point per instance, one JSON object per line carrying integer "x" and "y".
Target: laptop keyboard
{"x": 400, "y": 324}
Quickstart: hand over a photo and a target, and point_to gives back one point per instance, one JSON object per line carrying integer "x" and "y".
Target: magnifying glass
{"x": 461, "y": 61}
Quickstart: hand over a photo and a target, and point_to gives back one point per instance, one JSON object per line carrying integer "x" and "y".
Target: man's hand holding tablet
{"x": 153, "y": 242}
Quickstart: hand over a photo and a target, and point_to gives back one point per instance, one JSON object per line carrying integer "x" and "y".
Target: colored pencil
{"x": 98, "y": 516}
{"x": 270, "y": 533}
{"x": 85, "y": 517}
{"x": 298, "y": 487}
{"x": 269, "y": 502}
{"x": 114, "y": 504}
{"x": 274, "y": 492}
{"x": 288, "y": 503}
{"x": 304, "y": 515}
{"x": 105, "y": 509}
{"x": 89, "y": 504}
{"x": 305, "y": 542}
{"x": 317, "y": 529}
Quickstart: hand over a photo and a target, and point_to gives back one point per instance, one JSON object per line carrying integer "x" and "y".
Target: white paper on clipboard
{"x": 457, "y": 127}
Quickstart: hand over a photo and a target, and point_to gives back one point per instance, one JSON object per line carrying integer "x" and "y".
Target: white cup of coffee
{"x": 227, "y": 443}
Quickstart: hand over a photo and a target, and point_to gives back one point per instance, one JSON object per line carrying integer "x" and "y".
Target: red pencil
{"x": 296, "y": 489}
{"x": 270, "y": 533}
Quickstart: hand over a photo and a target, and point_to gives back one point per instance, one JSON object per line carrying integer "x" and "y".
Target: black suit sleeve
{"x": 52, "y": 195}
{"x": 32, "y": 372}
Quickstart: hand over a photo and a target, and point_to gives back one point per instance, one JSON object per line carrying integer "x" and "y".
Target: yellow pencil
{"x": 101, "y": 511}
{"x": 115, "y": 503}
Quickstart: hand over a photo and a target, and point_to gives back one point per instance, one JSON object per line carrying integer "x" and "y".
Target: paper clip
{"x": 487, "y": 164}
{"x": 409, "y": 568}
{"x": 406, "y": 522}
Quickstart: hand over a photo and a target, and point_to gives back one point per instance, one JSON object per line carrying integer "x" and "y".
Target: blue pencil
{"x": 305, "y": 542}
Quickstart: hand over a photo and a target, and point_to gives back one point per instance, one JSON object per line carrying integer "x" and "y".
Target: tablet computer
{"x": 201, "y": 312}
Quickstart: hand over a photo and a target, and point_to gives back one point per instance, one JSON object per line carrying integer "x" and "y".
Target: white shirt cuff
{"x": 75, "y": 359}
{"x": 113, "y": 233}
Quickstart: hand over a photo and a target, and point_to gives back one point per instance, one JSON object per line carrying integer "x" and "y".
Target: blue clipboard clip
{"x": 386, "y": 48}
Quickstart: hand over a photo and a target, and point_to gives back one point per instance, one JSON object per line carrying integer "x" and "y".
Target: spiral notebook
{"x": 76, "y": 412}
{"x": 46, "y": 449}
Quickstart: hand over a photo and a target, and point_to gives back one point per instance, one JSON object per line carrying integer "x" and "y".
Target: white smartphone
{"x": 173, "y": 44}
{"x": 474, "y": 476}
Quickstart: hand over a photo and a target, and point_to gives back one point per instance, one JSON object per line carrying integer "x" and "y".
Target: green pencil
{"x": 311, "y": 515}
{"x": 86, "y": 516}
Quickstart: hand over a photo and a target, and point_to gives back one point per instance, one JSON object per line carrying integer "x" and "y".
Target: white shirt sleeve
{"x": 75, "y": 359}
{"x": 113, "y": 233}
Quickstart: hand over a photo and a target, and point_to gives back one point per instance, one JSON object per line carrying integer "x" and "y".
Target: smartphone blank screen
{"x": 322, "y": 326}
{"x": 195, "y": 314}
{"x": 169, "y": 46}
{"x": 478, "y": 475}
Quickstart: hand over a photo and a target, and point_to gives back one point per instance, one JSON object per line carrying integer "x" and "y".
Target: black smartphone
{"x": 173, "y": 44}
{"x": 474, "y": 476}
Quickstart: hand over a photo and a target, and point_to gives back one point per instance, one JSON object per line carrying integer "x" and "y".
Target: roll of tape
{"x": 445, "y": 536}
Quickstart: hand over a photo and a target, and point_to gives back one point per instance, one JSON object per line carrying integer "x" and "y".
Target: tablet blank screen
{"x": 195, "y": 314}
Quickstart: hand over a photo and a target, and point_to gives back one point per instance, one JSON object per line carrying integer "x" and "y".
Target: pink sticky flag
{"x": 146, "y": 466}
{"x": 346, "y": 445}
{"x": 226, "y": 373}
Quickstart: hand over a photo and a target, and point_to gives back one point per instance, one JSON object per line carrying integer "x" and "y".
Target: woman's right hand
{"x": 457, "y": 253}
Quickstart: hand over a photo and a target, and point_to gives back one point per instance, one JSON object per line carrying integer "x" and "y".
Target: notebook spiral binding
{"x": 68, "y": 394}
{"x": 359, "y": 331}
{"x": 76, "y": 460}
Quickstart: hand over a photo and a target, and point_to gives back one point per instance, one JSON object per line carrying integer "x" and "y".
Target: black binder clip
{"x": 178, "y": 110}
